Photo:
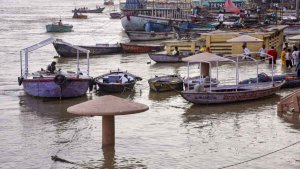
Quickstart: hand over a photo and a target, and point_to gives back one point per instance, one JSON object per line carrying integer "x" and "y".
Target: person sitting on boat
{"x": 60, "y": 23}
{"x": 176, "y": 51}
{"x": 51, "y": 68}
{"x": 124, "y": 79}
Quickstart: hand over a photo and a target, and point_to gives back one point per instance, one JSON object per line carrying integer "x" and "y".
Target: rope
{"x": 255, "y": 158}
{"x": 74, "y": 136}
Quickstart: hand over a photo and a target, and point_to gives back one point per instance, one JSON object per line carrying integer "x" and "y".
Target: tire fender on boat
{"x": 91, "y": 84}
{"x": 20, "y": 80}
{"x": 60, "y": 80}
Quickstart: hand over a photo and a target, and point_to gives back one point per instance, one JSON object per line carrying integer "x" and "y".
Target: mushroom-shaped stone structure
{"x": 108, "y": 107}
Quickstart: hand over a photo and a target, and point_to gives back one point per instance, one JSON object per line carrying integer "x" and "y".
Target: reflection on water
{"x": 171, "y": 134}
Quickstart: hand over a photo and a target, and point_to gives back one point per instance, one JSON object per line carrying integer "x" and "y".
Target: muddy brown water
{"x": 172, "y": 134}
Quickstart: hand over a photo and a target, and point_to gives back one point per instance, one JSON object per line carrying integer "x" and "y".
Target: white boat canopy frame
{"x": 45, "y": 43}
{"x": 209, "y": 58}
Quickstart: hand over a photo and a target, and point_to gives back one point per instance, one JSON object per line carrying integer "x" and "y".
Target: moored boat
{"x": 59, "y": 27}
{"x": 226, "y": 93}
{"x": 166, "y": 83}
{"x": 86, "y": 10}
{"x": 291, "y": 79}
{"x": 148, "y": 36}
{"x": 99, "y": 49}
{"x": 115, "y": 15}
{"x": 137, "y": 23}
{"x": 163, "y": 57}
{"x": 142, "y": 48}
{"x": 44, "y": 83}
{"x": 111, "y": 83}
{"x": 79, "y": 16}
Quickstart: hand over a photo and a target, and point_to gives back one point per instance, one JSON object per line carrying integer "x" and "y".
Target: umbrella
{"x": 205, "y": 57}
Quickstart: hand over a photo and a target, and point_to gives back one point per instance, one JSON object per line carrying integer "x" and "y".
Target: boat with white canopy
{"x": 57, "y": 84}
{"x": 226, "y": 93}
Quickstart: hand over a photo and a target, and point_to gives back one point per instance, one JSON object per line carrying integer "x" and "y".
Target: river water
{"x": 171, "y": 134}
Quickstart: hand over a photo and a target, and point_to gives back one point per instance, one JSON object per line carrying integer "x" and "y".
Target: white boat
{"x": 58, "y": 84}
{"x": 226, "y": 93}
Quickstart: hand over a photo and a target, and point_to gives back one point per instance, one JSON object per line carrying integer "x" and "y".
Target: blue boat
{"x": 291, "y": 79}
{"x": 157, "y": 27}
{"x": 59, "y": 27}
{"x": 192, "y": 27}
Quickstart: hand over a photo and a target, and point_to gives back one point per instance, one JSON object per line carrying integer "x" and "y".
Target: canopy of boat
{"x": 205, "y": 57}
{"x": 297, "y": 37}
{"x": 244, "y": 39}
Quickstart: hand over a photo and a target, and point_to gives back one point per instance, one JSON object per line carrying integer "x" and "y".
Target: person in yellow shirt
{"x": 282, "y": 56}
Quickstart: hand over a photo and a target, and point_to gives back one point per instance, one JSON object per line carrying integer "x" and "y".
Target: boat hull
{"x": 48, "y": 88}
{"x": 165, "y": 58}
{"x": 129, "y": 48}
{"x": 230, "y": 95}
{"x": 137, "y": 23}
{"x": 148, "y": 36}
{"x": 166, "y": 83}
{"x": 98, "y": 10}
{"x": 115, "y": 15}
{"x": 59, "y": 28}
{"x": 115, "y": 88}
{"x": 67, "y": 51}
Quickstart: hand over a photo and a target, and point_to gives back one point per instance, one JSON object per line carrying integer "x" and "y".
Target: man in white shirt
{"x": 221, "y": 18}
{"x": 262, "y": 53}
{"x": 124, "y": 79}
{"x": 246, "y": 52}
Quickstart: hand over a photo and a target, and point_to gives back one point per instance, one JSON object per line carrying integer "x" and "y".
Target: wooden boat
{"x": 86, "y": 10}
{"x": 59, "y": 27}
{"x": 206, "y": 82}
{"x": 166, "y": 83}
{"x": 79, "y": 16}
{"x": 232, "y": 93}
{"x": 58, "y": 84}
{"x": 163, "y": 57}
{"x": 110, "y": 82}
{"x": 115, "y": 15}
{"x": 142, "y": 48}
{"x": 148, "y": 36}
{"x": 99, "y": 49}
{"x": 226, "y": 93}
{"x": 291, "y": 79}
{"x": 192, "y": 27}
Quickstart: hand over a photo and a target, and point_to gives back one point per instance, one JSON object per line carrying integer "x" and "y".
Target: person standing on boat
{"x": 295, "y": 54}
{"x": 51, "y": 68}
{"x": 220, "y": 18}
{"x": 282, "y": 56}
{"x": 272, "y": 55}
{"x": 60, "y": 23}
{"x": 288, "y": 59}
{"x": 246, "y": 51}
{"x": 262, "y": 52}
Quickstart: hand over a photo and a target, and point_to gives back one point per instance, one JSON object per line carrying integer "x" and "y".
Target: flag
{"x": 230, "y": 7}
